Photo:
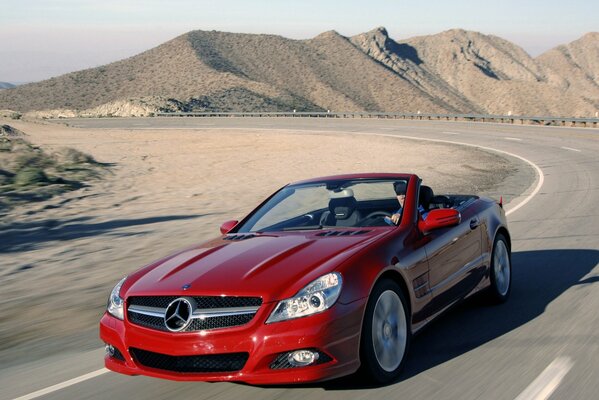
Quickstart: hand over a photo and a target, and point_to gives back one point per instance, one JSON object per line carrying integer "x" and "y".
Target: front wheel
{"x": 385, "y": 333}
{"x": 501, "y": 271}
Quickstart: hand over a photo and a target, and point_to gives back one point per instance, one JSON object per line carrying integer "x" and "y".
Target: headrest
{"x": 400, "y": 187}
{"x": 342, "y": 207}
{"x": 425, "y": 195}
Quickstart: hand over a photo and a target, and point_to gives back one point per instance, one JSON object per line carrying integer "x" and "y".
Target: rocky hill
{"x": 498, "y": 76}
{"x": 454, "y": 71}
{"x": 578, "y": 64}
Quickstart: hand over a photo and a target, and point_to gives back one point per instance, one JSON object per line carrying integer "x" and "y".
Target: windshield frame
{"x": 330, "y": 184}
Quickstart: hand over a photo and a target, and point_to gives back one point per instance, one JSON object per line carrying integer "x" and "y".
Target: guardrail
{"x": 511, "y": 119}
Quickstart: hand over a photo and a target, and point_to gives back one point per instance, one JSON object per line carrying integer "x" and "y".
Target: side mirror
{"x": 439, "y": 218}
{"x": 227, "y": 226}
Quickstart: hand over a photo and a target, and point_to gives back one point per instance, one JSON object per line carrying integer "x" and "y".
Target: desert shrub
{"x": 16, "y": 115}
{"x": 19, "y": 146}
{"x": 6, "y": 177}
{"x": 30, "y": 176}
{"x": 69, "y": 155}
{"x": 32, "y": 159}
{"x": 5, "y": 144}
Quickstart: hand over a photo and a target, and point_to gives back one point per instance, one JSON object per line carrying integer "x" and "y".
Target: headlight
{"x": 115, "y": 301}
{"x": 318, "y": 296}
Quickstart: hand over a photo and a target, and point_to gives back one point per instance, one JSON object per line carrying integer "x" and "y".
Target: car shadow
{"x": 25, "y": 236}
{"x": 538, "y": 278}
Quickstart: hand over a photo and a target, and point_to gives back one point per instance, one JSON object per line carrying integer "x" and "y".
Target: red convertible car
{"x": 326, "y": 277}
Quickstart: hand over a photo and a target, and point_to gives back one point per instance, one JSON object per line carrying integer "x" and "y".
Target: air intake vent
{"x": 342, "y": 233}
{"x": 239, "y": 237}
{"x": 191, "y": 364}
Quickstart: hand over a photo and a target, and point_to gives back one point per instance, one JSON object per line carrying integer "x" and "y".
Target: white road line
{"x": 63, "y": 385}
{"x": 513, "y": 138}
{"x": 451, "y": 133}
{"x": 571, "y": 149}
{"x": 540, "y": 175}
{"x": 546, "y": 383}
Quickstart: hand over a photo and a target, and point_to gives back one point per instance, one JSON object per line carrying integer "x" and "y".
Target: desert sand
{"x": 166, "y": 190}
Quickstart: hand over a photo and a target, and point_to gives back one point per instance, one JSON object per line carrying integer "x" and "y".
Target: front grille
{"x": 147, "y": 321}
{"x": 196, "y": 324}
{"x": 203, "y": 301}
{"x": 160, "y": 303}
{"x": 230, "y": 362}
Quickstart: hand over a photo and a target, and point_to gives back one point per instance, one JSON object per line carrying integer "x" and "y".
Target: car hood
{"x": 268, "y": 266}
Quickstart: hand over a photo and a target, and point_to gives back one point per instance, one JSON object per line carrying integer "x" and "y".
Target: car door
{"x": 455, "y": 261}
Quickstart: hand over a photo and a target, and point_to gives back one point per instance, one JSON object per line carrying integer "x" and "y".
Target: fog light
{"x": 109, "y": 350}
{"x": 301, "y": 358}
{"x": 113, "y": 352}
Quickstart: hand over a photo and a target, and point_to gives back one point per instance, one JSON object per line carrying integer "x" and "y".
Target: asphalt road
{"x": 544, "y": 342}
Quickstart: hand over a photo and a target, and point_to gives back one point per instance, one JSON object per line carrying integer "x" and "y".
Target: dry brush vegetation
{"x": 28, "y": 173}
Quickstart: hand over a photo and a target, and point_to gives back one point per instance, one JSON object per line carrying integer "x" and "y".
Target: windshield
{"x": 351, "y": 203}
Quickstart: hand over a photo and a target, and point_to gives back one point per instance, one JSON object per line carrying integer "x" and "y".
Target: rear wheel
{"x": 385, "y": 333}
{"x": 501, "y": 271}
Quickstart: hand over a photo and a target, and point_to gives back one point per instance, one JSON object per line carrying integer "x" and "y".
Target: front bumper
{"x": 335, "y": 332}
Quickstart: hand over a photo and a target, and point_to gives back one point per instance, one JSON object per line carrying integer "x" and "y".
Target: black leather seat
{"x": 425, "y": 196}
{"x": 342, "y": 212}
{"x": 440, "y": 201}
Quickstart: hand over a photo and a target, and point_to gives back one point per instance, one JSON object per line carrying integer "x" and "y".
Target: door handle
{"x": 474, "y": 222}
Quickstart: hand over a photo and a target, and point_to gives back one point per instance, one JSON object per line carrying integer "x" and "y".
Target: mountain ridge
{"x": 455, "y": 71}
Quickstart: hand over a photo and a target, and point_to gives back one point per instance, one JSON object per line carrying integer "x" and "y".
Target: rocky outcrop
{"x": 143, "y": 107}
{"x": 403, "y": 59}
{"x": 7, "y": 131}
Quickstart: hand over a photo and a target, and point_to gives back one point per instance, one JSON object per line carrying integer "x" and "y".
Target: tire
{"x": 386, "y": 334}
{"x": 500, "y": 271}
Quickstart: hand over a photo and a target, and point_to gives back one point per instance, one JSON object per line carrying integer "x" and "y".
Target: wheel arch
{"x": 369, "y": 365}
{"x": 503, "y": 230}
{"x": 398, "y": 278}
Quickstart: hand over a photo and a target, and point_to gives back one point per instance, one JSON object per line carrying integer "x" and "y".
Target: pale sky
{"x": 40, "y": 39}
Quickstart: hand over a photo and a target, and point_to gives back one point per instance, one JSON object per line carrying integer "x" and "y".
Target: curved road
{"x": 544, "y": 342}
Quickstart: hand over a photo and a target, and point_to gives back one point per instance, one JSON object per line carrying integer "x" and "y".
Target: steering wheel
{"x": 378, "y": 214}
{"x": 309, "y": 217}
{"x": 375, "y": 214}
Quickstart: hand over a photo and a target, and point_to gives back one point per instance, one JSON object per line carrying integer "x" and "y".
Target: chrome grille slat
{"x": 223, "y": 312}
{"x": 151, "y": 311}
{"x": 203, "y": 313}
